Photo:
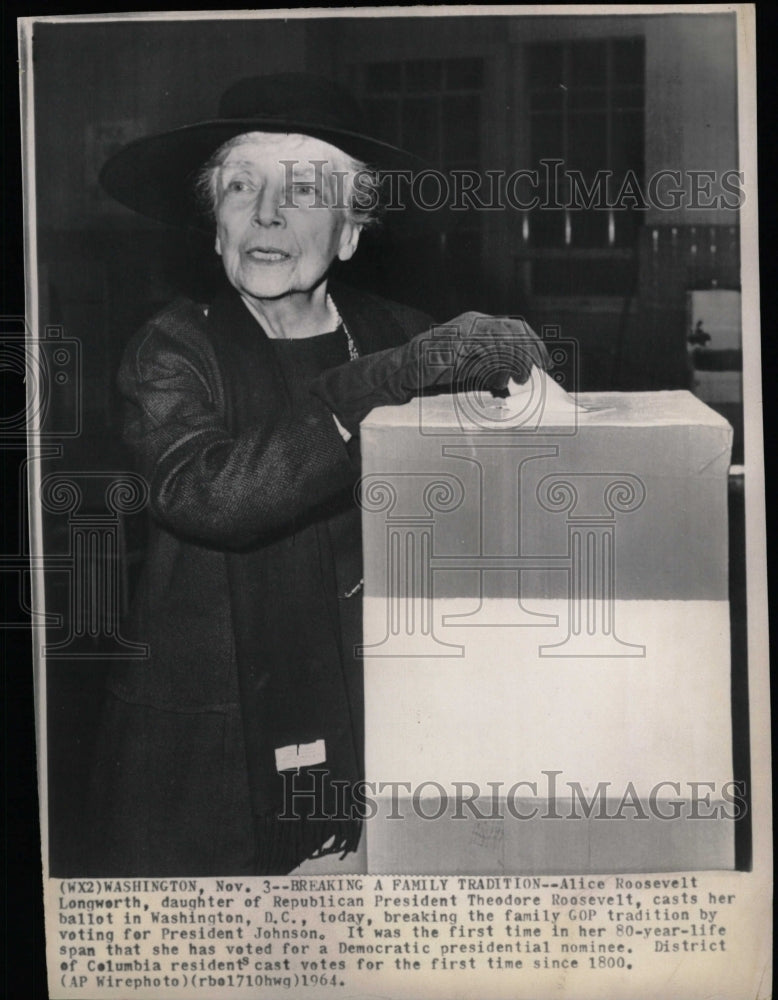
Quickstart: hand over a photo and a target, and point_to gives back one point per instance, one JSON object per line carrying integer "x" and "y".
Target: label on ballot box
{"x": 546, "y": 634}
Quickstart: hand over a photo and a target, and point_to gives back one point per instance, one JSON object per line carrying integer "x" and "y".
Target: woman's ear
{"x": 217, "y": 245}
{"x": 349, "y": 240}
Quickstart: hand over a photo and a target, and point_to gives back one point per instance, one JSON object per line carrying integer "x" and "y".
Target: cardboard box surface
{"x": 547, "y": 592}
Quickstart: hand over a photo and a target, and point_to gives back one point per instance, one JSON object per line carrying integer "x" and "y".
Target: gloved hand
{"x": 473, "y": 351}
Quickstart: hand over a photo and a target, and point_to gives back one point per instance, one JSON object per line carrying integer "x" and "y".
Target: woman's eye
{"x": 305, "y": 188}
{"x": 237, "y": 185}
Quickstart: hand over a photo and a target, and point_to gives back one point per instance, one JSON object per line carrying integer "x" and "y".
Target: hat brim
{"x": 156, "y": 175}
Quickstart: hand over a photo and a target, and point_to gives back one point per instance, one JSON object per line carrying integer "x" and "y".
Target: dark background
{"x": 137, "y": 282}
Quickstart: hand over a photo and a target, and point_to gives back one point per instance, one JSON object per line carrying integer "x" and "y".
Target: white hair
{"x": 360, "y": 190}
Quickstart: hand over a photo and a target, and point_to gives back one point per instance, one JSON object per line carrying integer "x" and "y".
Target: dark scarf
{"x": 294, "y": 629}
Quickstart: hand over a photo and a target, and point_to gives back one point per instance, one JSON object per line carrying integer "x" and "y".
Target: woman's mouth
{"x": 268, "y": 255}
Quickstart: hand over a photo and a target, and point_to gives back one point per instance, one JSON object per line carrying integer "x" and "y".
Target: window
{"x": 586, "y": 105}
{"x": 433, "y": 107}
{"x": 429, "y": 106}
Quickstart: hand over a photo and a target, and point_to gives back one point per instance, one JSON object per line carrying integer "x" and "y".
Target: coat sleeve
{"x": 222, "y": 490}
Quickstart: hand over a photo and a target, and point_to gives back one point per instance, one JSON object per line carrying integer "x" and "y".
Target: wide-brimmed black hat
{"x": 155, "y": 175}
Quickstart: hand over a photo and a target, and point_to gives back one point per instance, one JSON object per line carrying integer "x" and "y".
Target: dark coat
{"x": 169, "y": 791}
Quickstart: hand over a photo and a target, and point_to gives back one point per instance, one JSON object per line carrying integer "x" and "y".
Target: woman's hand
{"x": 484, "y": 352}
{"x": 473, "y": 351}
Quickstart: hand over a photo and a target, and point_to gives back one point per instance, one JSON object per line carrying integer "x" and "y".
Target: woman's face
{"x": 280, "y": 217}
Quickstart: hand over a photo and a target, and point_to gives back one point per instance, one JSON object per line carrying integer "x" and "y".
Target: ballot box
{"x": 546, "y": 635}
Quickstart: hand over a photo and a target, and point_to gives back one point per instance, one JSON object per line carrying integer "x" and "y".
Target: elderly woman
{"x": 244, "y": 417}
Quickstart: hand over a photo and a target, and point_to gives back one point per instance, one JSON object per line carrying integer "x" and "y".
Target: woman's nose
{"x": 267, "y": 206}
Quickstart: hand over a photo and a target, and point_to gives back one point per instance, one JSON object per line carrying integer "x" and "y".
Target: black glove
{"x": 472, "y": 351}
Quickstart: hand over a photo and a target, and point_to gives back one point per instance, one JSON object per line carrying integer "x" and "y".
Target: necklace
{"x": 353, "y": 353}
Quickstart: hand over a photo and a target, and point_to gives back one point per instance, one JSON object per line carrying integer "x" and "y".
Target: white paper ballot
{"x": 555, "y": 399}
